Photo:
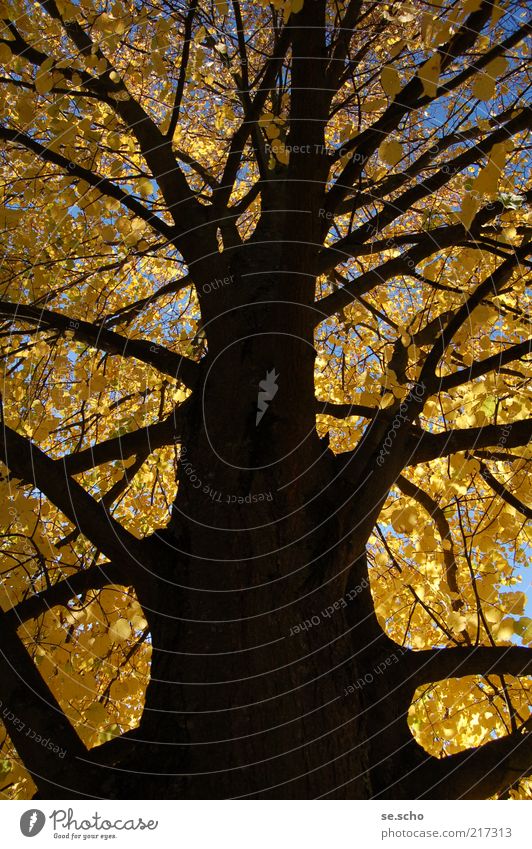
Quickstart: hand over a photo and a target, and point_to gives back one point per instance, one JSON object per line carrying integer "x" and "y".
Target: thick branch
{"x": 131, "y": 310}
{"x": 27, "y": 462}
{"x": 93, "y": 578}
{"x": 157, "y": 356}
{"x": 481, "y": 367}
{"x": 174, "y": 118}
{"x": 31, "y": 715}
{"x": 239, "y": 140}
{"x": 432, "y": 665}
{"x": 492, "y": 284}
{"x": 428, "y": 244}
{"x": 393, "y": 182}
{"x": 154, "y": 146}
{"x": 475, "y": 773}
{"x": 344, "y": 411}
{"x": 138, "y": 441}
{"x": 102, "y": 184}
{"x": 430, "y": 446}
{"x": 400, "y": 205}
{"x": 444, "y": 529}
{"x": 340, "y": 49}
{"x": 410, "y": 97}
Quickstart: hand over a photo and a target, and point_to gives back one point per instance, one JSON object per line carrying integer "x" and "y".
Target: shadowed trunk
{"x": 257, "y": 639}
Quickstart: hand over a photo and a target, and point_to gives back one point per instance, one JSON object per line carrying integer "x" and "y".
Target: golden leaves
{"x": 146, "y": 187}
{"x": 404, "y": 519}
{"x": 373, "y": 104}
{"x": 487, "y": 181}
{"x": 470, "y": 207}
{"x": 120, "y": 630}
{"x": 484, "y": 83}
{"x": 390, "y": 81}
{"x": 44, "y": 82}
{"x": 5, "y": 53}
{"x": 429, "y": 74}
{"x": 391, "y": 152}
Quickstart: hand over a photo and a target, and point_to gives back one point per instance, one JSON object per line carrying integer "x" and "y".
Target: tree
{"x": 264, "y": 427}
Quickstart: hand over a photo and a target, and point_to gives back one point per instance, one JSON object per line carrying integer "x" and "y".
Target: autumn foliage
{"x": 181, "y": 177}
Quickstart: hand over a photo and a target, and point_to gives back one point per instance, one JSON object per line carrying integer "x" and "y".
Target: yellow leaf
{"x": 470, "y": 207}
{"x": 374, "y": 104}
{"x": 390, "y": 152}
{"x": 44, "y": 82}
{"x": 429, "y": 75}
{"x": 95, "y": 715}
{"x": 107, "y": 232}
{"x": 5, "y": 53}
{"x": 497, "y": 67}
{"x": 272, "y": 131}
{"x": 146, "y": 187}
{"x": 98, "y": 382}
{"x": 506, "y": 629}
{"x": 390, "y": 81}
{"x": 483, "y": 87}
{"x": 281, "y": 153}
{"x": 404, "y": 519}
{"x": 487, "y": 181}
{"x": 121, "y": 630}
{"x": 25, "y": 109}
{"x": 456, "y": 621}
{"x": 396, "y": 47}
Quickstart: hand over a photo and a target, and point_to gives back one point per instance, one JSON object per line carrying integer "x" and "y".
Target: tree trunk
{"x": 252, "y": 661}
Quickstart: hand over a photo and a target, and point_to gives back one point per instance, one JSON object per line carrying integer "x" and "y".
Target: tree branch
{"x": 157, "y": 356}
{"x": 491, "y": 284}
{"x": 504, "y": 493}
{"x": 131, "y": 310}
{"x": 144, "y": 439}
{"x": 174, "y": 118}
{"x": 429, "y": 665}
{"x": 102, "y": 184}
{"x": 430, "y": 446}
{"x": 393, "y": 182}
{"x": 93, "y": 578}
{"x": 238, "y": 142}
{"x": 475, "y": 773}
{"x": 33, "y": 718}
{"x": 344, "y": 411}
{"x": 27, "y": 462}
{"x": 429, "y": 243}
{"x": 410, "y": 97}
{"x": 481, "y": 367}
{"x": 156, "y": 148}
{"x": 401, "y": 204}
{"x": 444, "y": 529}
